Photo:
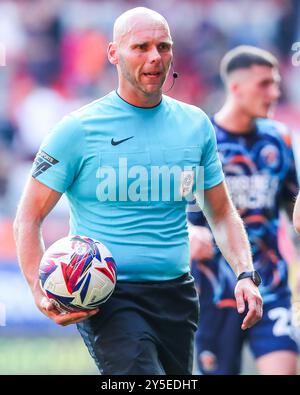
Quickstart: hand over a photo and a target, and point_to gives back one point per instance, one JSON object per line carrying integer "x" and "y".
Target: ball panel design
{"x": 78, "y": 273}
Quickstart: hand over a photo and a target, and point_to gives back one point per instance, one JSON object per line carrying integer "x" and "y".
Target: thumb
{"x": 47, "y": 304}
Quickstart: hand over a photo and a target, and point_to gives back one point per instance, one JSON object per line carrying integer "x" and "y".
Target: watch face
{"x": 256, "y": 278}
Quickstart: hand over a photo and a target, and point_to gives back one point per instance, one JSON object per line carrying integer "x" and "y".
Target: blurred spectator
{"x": 36, "y": 116}
{"x": 83, "y": 61}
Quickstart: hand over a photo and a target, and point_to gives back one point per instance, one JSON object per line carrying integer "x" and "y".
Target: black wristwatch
{"x": 255, "y": 277}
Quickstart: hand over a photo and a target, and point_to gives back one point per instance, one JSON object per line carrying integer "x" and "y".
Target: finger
{"x": 259, "y": 306}
{"x": 93, "y": 312}
{"x": 248, "y": 322}
{"x": 49, "y": 306}
{"x": 255, "y": 304}
{"x": 79, "y": 314}
{"x": 46, "y": 304}
{"x": 73, "y": 318}
{"x": 260, "y": 309}
{"x": 253, "y": 315}
{"x": 240, "y": 303}
{"x": 70, "y": 322}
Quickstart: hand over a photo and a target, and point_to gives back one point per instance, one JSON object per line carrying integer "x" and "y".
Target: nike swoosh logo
{"x": 113, "y": 142}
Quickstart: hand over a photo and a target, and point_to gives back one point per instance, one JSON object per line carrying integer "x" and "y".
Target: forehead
{"x": 261, "y": 72}
{"x": 147, "y": 31}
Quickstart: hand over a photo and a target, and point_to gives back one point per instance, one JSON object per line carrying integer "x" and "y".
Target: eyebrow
{"x": 271, "y": 80}
{"x": 170, "y": 43}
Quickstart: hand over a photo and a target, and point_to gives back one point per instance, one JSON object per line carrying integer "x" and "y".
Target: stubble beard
{"x": 134, "y": 82}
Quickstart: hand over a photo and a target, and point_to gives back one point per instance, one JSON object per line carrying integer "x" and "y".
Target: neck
{"x": 234, "y": 119}
{"x": 139, "y": 98}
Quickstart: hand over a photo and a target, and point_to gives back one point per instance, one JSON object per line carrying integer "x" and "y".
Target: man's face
{"x": 144, "y": 57}
{"x": 258, "y": 90}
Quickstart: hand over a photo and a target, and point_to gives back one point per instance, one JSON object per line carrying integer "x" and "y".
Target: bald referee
{"x": 92, "y": 155}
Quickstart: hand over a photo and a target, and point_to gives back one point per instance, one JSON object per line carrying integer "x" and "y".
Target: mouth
{"x": 153, "y": 74}
{"x": 269, "y": 106}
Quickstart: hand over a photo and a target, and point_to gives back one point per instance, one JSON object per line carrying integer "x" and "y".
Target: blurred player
{"x": 296, "y": 214}
{"x": 259, "y": 168}
{"x": 148, "y": 324}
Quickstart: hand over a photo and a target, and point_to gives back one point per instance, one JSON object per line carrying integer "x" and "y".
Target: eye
{"x": 141, "y": 47}
{"x": 164, "y": 47}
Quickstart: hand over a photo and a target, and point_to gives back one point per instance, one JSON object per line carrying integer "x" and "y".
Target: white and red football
{"x": 77, "y": 273}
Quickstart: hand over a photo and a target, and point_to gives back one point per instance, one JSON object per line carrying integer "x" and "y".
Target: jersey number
{"x": 282, "y": 326}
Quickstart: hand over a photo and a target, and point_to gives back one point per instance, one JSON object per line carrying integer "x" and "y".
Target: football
{"x": 77, "y": 273}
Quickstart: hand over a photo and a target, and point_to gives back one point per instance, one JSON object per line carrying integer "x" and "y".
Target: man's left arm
{"x": 231, "y": 238}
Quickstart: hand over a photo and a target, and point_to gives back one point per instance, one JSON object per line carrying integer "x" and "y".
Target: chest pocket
{"x": 182, "y": 161}
{"x": 187, "y": 156}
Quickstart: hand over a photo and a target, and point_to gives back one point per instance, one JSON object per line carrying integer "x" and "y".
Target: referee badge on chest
{"x": 186, "y": 182}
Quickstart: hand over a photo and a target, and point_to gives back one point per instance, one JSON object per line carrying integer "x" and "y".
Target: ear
{"x": 234, "y": 87}
{"x": 112, "y": 53}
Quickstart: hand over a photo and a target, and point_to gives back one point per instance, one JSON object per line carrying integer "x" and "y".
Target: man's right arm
{"x": 36, "y": 203}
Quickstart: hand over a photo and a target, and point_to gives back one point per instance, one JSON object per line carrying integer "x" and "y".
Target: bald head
{"x": 142, "y": 53}
{"x": 134, "y": 19}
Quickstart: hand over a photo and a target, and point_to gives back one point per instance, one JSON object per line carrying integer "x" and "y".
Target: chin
{"x": 152, "y": 91}
{"x": 271, "y": 113}
{"x": 263, "y": 114}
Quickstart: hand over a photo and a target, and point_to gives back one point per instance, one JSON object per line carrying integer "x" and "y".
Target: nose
{"x": 154, "y": 55}
{"x": 275, "y": 92}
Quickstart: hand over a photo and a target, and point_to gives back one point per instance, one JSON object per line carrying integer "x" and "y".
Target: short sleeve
{"x": 213, "y": 173}
{"x": 60, "y": 156}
